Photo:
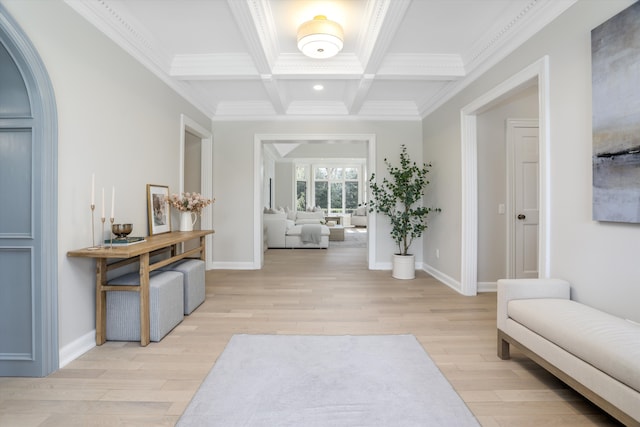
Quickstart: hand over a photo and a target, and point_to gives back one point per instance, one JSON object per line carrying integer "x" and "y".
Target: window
{"x": 302, "y": 187}
{"x": 336, "y": 188}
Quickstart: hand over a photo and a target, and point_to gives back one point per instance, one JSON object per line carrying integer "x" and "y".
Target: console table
{"x": 141, "y": 253}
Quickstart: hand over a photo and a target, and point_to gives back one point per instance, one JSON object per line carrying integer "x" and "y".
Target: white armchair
{"x": 359, "y": 217}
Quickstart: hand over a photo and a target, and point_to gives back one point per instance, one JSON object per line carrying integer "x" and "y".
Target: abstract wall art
{"x": 615, "y": 56}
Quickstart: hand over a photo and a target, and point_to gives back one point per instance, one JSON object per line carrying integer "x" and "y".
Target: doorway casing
{"x": 260, "y": 140}
{"x": 538, "y": 72}
{"x": 206, "y": 178}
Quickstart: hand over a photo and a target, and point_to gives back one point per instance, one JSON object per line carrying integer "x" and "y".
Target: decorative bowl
{"x": 121, "y": 230}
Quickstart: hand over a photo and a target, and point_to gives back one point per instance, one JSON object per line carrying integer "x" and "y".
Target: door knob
{"x": 521, "y": 216}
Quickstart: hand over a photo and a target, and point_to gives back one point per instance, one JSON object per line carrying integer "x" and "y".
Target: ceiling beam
{"x": 255, "y": 23}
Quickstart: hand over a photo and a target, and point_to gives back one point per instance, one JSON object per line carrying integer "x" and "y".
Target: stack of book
{"x": 124, "y": 241}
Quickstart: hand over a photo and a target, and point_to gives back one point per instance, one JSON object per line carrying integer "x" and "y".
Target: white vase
{"x": 187, "y": 221}
{"x": 404, "y": 267}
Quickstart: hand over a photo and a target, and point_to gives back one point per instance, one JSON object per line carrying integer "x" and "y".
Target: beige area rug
{"x": 287, "y": 380}
{"x": 354, "y": 237}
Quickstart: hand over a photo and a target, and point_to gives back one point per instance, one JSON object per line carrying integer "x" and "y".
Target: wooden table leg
{"x": 101, "y": 301}
{"x": 202, "y": 248}
{"x": 144, "y": 299}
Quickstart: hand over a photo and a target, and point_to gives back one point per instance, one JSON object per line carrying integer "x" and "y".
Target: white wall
{"x": 600, "y": 259}
{"x": 116, "y": 120}
{"x": 285, "y": 185}
{"x": 234, "y": 210}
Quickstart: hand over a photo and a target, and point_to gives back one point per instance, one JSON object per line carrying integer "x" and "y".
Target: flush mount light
{"x": 318, "y": 87}
{"x": 320, "y": 38}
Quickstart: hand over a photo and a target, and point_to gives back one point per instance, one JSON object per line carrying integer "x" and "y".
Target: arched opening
{"x": 28, "y": 161}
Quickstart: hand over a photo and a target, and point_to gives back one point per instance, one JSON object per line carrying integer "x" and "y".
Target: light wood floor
{"x": 299, "y": 292}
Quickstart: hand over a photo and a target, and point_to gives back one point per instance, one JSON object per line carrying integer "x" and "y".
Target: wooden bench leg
{"x": 503, "y": 347}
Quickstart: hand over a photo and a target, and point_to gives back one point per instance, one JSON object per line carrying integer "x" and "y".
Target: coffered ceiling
{"x": 238, "y": 59}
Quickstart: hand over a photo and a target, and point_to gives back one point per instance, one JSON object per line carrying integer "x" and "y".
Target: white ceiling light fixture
{"x": 320, "y": 38}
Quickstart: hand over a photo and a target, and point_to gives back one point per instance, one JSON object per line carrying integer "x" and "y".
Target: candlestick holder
{"x": 93, "y": 226}
{"x": 112, "y": 219}
{"x": 103, "y": 219}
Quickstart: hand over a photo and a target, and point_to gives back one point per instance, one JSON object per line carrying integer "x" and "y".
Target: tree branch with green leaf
{"x": 397, "y": 197}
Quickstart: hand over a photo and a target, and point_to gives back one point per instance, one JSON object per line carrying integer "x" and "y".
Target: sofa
{"x": 594, "y": 352}
{"x": 296, "y": 230}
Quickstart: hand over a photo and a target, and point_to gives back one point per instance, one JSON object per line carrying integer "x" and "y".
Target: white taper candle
{"x": 113, "y": 201}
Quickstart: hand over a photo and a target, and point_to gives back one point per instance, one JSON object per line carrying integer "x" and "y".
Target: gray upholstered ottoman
{"x": 165, "y": 306}
{"x": 194, "y": 290}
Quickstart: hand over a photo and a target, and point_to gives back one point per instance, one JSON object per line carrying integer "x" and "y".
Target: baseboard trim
{"x": 77, "y": 348}
{"x": 233, "y": 266}
{"x": 440, "y": 276}
{"x": 382, "y": 266}
{"x": 487, "y": 286}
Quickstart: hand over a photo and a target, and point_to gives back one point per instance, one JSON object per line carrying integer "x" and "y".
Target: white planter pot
{"x": 404, "y": 267}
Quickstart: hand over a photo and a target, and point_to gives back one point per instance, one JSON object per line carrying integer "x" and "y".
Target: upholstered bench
{"x": 594, "y": 352}
{"x": 166, "y": 303}
{"x": 194, "y": 289}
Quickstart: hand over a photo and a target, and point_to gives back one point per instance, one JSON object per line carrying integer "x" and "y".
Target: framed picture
{"x": 158, "y": 209}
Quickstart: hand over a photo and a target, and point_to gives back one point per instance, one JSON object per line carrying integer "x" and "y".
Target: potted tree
{"x": 398, "y": 198}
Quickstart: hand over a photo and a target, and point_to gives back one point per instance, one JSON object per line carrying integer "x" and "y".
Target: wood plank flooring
{"x": 299, "y": 292}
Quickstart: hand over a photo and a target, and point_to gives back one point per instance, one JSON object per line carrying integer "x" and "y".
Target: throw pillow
{"x": 275, "y": 215}
{"x": 310, "y": 215}
{"x": 308, "y": 221}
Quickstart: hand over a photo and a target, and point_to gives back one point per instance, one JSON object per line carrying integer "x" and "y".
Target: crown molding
{"x": 440, "y": 66}
{"x": 319, "y": 118}
{"x": 262, "y": 109}
{"x": 217, "y": 66}
{"x": 317, "y": 108}
{"x": 124, "y": 30}
{"x": 127, "y": 33}
{"x": 389, "y": 109}
{"x": 343, "y": 65}
{"x": 213, "y": 66}
{"x": 496, "y": 46}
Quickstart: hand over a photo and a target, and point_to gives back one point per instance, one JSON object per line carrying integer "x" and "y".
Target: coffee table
{"x": 336, "y": 233}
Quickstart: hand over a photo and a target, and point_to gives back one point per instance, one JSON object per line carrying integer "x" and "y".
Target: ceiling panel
{"x": 239, "y": 57}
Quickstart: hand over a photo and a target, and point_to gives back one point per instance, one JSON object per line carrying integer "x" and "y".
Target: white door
{"x": 523, "y": 141}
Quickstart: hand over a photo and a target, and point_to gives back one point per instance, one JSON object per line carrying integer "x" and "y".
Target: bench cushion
{"x": 193, "y": 272}
{"x": 607, "y": 342}
{"x": 165, "y": 306}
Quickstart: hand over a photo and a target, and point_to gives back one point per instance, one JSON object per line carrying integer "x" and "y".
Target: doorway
{"x": 196, "y": 171}
{"x": 258, "y": 189}
{"x": 536, "y": 73}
